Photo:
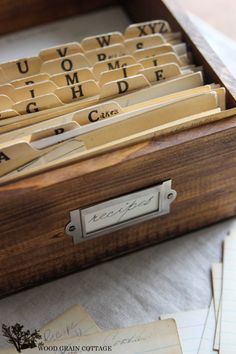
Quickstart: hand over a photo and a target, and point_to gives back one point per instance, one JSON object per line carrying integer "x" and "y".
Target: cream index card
{"x": 228, "y": 315}
{"x": 207, "y": 340}
{"x": 160, "y": 337}
{"x": 73, "y": 322}
{"x": 190, "y": 325}
{"x": 217, "y": 270}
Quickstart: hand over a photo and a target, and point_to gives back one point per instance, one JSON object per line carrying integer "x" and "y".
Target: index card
{"x": 72, "y": 77}
{"x": 5, "y": 102}
{"x": 190, "y": 325}
{"x": 34, "y": 90}
{"x": 101, "y": 54}
{"x": 102, "y": 40}
{"x": 120, "y": 87}
{"x": 161, "y": 72}
{"x": 160, "y": 337}
{"x": 23, "y": 67}
{"x": 37, "y": 104}
{"x": 30, "y": 80}
{"x": 153, "y": 51}
{"x": 207, "y": 340}
{"x": 112, "y": 64}
{"x": 73, "y": 322}
{"x": 146, "y": 28}
{"x": 120, "y": 73}
{"x": 217, "y": 270}
{"x": 130, "y": 123}
{"x": 60, "y": 51}
{"x": 150, "y": 40}
{"x": 8, "y": 113}
{"x": 71, "y": 62}
{"x": 64, "y": 150}
{"x": 78, "y": 91}
{"x": 168, "y": 58}
{"x": 162, "y": 89}
{"x": 228, "y": 315}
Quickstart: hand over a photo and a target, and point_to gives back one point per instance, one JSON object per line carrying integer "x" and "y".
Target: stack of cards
{"x": 212, "y": 330}
{"x": 75, "y": 332}
{"x": 81, "y": 99}
{"x": 204, "y": 331}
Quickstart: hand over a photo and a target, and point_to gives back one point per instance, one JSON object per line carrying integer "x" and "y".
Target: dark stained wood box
{"x": 201, "y": 162}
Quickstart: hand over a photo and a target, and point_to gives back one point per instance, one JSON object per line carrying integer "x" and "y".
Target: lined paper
{"x": 228, "y": 318}
{"x": 190, "y": 325}
{"x": 207, "y": 341}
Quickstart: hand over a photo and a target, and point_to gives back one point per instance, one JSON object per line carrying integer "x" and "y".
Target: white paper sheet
{"x": 207, "y": 340}
{"x": 190, "y": 325}
{"x": 228, "y": 314}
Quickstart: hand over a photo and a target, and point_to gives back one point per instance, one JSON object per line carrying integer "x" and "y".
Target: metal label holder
{"x": 115, "y": 214}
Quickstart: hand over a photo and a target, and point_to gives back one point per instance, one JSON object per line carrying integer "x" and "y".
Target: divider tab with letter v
{"x": 117, "y": 213}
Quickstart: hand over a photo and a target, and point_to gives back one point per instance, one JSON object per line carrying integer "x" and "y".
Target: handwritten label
{"x": 117, "y": 211}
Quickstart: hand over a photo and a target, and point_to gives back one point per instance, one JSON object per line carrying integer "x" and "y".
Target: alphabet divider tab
{"x": 38, "y": 104}
{"x": 20, "y": 68}
{"x": 112, "y": 64}
{"x": 164, "y": 88}
{"x": 72, "y": 77}
{"x": 97, "y": 112}
{"x": 161, "y": 60}
{"x": 119, "y": 87}
{"x": 102, "y": 40}
{"x": 54, "y": 130}
{"x": 68, "y": 94}
{"x": 113, "y": 51}
{"x": 21, "y": 153}
{"x": 102, "y": 132}
{"x": 5, "y": 102}
{"x": 16, "y": 155}
{"x": 146, "y": 28}
{"x": 60, "y": 51}
{"x": 8, "y": 90}
{"x": 150, "y": 40}
{"x": 162, "y": 72}
{"x": 3, "y": 78}
{"x": 149, "y": 118}
{"x": 35, "y": 90}
{"x": 8, "y": 113}
{"x": 69, "y": 63}
{"x": 152, "y": 51}
{"x": 30, "y": 80}
{"x": 118, "y": 74}
{"x": 61, "y": 150}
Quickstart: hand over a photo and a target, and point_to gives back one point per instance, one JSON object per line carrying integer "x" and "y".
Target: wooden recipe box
{"x": 38, "y": 212}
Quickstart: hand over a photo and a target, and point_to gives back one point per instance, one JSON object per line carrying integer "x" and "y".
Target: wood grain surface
{"x": 34, "y": 247}
{"x": 200, "y": 161}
